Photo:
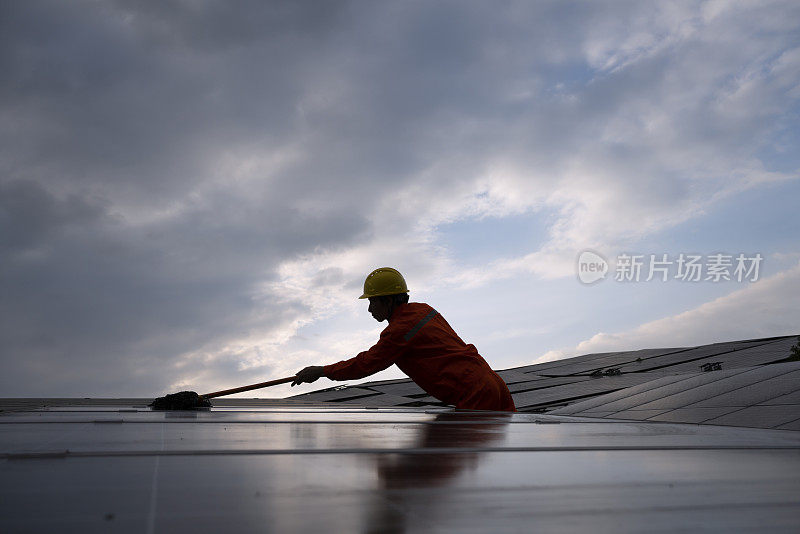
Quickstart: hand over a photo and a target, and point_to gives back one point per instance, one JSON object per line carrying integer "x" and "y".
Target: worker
{"x": 424, "y": 346}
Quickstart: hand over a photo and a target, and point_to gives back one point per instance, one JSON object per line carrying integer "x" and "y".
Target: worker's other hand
{"x": 309, "y": 374}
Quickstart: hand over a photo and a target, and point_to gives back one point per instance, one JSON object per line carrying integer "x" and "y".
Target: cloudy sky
{"x": 192, "y": 192}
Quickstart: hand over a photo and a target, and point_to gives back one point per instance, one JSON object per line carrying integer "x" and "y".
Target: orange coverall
{"x": 421, "y": 343}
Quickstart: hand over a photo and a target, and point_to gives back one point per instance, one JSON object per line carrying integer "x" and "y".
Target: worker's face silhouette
{"x": 380, "y": 308}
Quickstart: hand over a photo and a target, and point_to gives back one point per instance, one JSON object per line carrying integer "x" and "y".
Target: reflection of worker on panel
{"x": 403, "y": 477}
{"x": 424, "y": 346}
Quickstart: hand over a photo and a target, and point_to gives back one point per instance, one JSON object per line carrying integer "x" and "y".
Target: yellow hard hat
{"x": 384, "y": 281}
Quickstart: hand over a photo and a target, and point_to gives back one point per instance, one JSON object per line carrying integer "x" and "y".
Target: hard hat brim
{"x": 365, "y": 296}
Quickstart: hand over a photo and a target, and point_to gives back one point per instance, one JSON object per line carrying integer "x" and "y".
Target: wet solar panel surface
{"x": 330, "y": 468}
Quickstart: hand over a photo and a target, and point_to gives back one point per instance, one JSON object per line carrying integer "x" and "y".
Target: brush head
{"x": 184, "y": 400}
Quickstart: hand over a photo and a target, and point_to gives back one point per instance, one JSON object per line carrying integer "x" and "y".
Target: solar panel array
{"x": 610, "y": 455}
{"x": 245, "y": 465}
{"x": 750, "y": 383}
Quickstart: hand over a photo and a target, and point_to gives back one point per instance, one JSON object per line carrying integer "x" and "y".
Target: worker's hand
{"x": 309, "y": 374}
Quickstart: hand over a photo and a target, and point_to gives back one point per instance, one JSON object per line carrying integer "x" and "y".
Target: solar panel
{"x": 792, "y": 425}
{"x": 692, "y": 415}
{"x": 637, "y": 415}
{"x": 715, "y": 388}
{"x": 617, "y": 359}
{"x": 639, "y": 399}
{"x": 385, "y": 400}
{"x": 511, "y": 376}
{"x": 758, "y": 416}
{"x": 404, "y": 389}
{"x": 541, "y": 382}
{"x": 759, "y": 355}
{"x": 754, "y": 392}
{"x": 593, "y": 403}
{"x": 691, "y": 355}
{"x": 536, "y": 368}
{"x": 568, "y": 392}
{"x": 789, "y": 398}
{"x": 340, "y": 393}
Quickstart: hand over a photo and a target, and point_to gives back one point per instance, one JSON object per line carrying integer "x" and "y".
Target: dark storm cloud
{"x": 30, "y": 215}
{"x": 96, "y": 298}
{"x": 88, "y": 299}
{"x": 123, "y": 104}
{"x": 122, "y": 96}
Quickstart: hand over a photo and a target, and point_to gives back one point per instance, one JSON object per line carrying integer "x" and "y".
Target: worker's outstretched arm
{"x": 380, "y": 356}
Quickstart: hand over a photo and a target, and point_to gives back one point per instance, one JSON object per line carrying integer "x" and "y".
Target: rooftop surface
{"x": 604, "y": 443}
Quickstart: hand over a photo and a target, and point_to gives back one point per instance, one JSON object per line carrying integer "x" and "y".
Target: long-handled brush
{"x": 189, "y": 400}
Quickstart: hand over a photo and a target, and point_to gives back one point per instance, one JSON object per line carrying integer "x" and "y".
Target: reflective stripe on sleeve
{"x": 411, "y": 333}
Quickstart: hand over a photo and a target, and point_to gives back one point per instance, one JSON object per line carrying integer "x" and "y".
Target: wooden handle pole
{"x": 248, "y": 388}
